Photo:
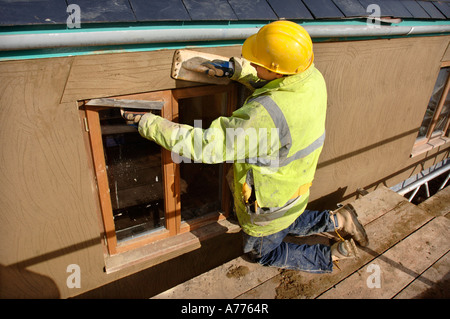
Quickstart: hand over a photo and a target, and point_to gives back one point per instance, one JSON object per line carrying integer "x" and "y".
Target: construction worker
{"x": 274, "y": 172}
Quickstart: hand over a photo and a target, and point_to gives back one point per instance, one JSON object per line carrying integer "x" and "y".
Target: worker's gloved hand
{"x": 132, "y": 117}
{"x": 219, "y": 68}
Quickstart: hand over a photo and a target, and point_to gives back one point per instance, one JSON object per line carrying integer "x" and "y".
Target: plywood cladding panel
{"x": 127, "y": 73}
{"x": 377, "y": 91}
{"x": 48, "y": 216}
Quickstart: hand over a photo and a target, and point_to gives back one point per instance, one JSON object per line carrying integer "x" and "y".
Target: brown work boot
{"x": 348, "y": 222}
{"x": 344, "y": 250}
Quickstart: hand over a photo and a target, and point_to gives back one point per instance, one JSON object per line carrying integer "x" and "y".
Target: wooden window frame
{"x": 434, "y": 139}
{"x": 171, "y": 171}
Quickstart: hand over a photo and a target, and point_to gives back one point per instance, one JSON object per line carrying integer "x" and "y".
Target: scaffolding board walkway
{"x": 408, "y": 257}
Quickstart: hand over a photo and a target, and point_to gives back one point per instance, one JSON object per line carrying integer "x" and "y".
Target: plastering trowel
{"x": 187, "y": 65}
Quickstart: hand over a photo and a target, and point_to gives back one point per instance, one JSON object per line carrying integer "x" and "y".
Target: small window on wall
{"x": 433, "y": 131}
{"x": 143, "y": 195}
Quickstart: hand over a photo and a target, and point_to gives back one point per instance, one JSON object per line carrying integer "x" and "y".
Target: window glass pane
{"x": 434, "y": 101}
{"x": 443, "y": 116}
{"x": 200, "y": 184}
{"x": 134, "y": 170}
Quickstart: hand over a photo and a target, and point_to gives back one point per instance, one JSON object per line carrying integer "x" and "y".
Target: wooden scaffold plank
{"x": 388, "y": 274}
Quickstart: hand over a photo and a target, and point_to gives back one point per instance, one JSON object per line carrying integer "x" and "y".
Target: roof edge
{"x": 183, "y": 36}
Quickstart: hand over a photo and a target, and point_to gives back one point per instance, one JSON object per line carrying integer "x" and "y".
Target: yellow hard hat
{"x": 282, "y": 46}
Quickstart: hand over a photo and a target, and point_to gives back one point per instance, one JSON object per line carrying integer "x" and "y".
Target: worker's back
{"x": 296, "y": 106}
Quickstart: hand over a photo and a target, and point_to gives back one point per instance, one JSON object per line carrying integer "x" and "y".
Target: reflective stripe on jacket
{"x": 283, "y": 126}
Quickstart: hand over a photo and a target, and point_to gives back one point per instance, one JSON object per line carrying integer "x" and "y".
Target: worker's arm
{"x": 245, "y": 74}
{"x": 227, "y": 139}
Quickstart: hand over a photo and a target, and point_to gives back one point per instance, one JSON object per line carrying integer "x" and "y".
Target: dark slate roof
{"x": 35, "y": 12}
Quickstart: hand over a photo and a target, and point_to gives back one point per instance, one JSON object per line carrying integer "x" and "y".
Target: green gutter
{"x": 75, "y": 51}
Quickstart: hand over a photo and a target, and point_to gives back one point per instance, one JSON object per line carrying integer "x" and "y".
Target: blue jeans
{"x": 273, "y": 251}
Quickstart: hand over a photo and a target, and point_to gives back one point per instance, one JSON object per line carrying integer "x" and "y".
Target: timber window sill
{"x": 163, "y": 250}
{"x": 431, "y": 144}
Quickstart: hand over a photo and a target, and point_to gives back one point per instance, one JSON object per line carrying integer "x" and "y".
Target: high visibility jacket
{"x": 283, "y": 126}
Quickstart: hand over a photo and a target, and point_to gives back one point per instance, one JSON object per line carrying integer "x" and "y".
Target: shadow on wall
{"x": 158, "y": 278}
{"x": 16, "y": 282}
{"x": 328, "y": 201}
{"x": 20, "y": 283}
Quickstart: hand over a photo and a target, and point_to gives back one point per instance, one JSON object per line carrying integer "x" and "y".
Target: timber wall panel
{"x": 46, "y": 200}
{"x": 127, "y": 73}
{"x": 446, "y": 56}
{"x": 378, "y": 91}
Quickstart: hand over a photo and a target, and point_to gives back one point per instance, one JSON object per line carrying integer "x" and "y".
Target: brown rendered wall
{"x": 378, "y": 91}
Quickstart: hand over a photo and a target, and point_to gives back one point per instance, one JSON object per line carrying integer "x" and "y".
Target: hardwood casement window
{"x": 143, "y": 195}
{"x": 433, "y": 131}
